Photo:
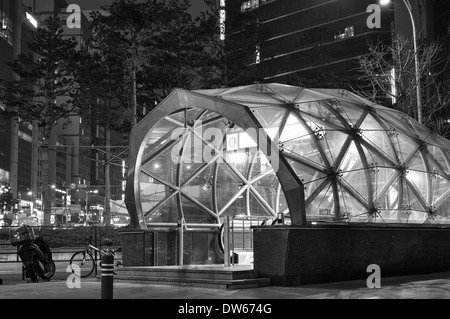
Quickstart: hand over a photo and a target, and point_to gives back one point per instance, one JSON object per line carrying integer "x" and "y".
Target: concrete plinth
{"x": 296, "y": 255}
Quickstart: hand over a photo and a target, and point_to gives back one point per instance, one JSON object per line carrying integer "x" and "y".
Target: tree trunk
{"x": 107, "y": 212}
{"x": 46, "y": 201}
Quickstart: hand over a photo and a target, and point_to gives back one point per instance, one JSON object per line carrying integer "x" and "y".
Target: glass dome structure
{"x": 264, "y": 149}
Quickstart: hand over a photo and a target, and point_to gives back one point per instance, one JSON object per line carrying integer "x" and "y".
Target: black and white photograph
{"x": 223, "y": 158}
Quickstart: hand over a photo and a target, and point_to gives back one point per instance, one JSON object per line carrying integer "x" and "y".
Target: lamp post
{"x": 416, "y": 58}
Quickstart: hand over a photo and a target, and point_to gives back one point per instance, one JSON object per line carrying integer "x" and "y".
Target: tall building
{"x": 309, "y": 36}
{"x": 440, "y": 31}
{"x": 18, "y": 160}
{"x": 76, "y": 171}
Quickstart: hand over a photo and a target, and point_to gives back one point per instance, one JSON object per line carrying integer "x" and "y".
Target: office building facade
{"x": 307, "y": 37}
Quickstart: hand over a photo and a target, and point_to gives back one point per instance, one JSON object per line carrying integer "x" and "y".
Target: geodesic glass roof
{"x": 264, "y": 149}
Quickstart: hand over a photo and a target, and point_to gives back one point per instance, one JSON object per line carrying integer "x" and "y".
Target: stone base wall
{"x": 296, "y": 255}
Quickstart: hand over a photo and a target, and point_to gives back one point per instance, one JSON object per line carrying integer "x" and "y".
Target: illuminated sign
{"x": 32, "y": 20}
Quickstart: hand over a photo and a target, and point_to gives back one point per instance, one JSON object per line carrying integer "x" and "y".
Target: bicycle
{"x": 86, "y": 263}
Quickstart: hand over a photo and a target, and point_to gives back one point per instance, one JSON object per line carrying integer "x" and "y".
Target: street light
{"x": 416, "y": 58}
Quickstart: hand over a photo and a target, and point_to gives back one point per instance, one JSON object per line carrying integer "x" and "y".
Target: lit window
{"x": 222, "y": 23}
{"x": 253, "y": 4}
{"x": 25, "y": 136}
{"x": 347, "y": 33}
{"x": 258, "y": 54}
{"x": 6, "y": 28}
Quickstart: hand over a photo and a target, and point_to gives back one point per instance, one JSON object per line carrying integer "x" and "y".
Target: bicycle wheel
{"x": 82, "y": 263}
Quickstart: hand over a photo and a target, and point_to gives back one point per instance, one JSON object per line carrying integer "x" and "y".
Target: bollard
{"x": 107, "y": 276}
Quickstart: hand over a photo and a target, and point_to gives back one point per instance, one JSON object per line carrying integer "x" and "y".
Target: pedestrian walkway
{"x": 429, "y": 286}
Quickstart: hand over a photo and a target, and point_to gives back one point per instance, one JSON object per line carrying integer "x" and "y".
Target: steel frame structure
{"x": 340, "y": 158}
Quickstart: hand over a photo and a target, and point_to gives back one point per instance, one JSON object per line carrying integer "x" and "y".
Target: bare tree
{"x": 389, "y": 72}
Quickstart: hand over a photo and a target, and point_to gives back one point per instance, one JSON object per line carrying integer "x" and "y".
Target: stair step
{"x": 196, "y": 282}
{"x": 187, "y": 273}
{"x": 203, "y": 276}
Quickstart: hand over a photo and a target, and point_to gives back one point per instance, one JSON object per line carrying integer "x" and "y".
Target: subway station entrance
{"x": 250, "y": 155}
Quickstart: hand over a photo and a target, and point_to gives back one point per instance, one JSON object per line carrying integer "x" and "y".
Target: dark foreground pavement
{"x": 428, "y": 286}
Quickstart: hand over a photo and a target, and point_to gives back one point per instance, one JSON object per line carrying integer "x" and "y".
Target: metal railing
{"x": 74, "y": 239}
{"x": 238, "y": 235}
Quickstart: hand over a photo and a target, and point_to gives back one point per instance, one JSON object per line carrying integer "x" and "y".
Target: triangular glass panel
{"x": 320, "y": 112}
{"x": 254, "y": 95}
{"x": 208, "y": 116}
{"x": 440, "y": 190}
{"x": 160, "y": 135}
{"x": 350, "y": 208}
{"x": 228, "y": 185}
{"x": 362, "y": 100}
{"x": 306, "y": 174}
{"x": 164, "y": 165}
{"x": 151, "y": 192}
{"x": 288, "y": 93}
{"x": 196, "y": 154}
{"x": 200, "y": 188}
{"x": 322, "y": 207}
{"x": 374, "y": 134}
{"x": 403, "y": 146}
{"x": 417, "y": 164}
{"x": 421, "y": 131}
{"x": 166, "y": 213}
{"x": 412, "y": 204}
{"x": 381, "y": 171}
{"x": 392, "y": 216}
{"x": 243, "y": 160}
{"x": 270, "y": 119}
{"x": 212, "y": 129}
{"x": 417, "y": 217}
{"x": 440, "y": 163}
{"x": 349, "y": 111}
{"x": 311, "y": 187}
{"x": 416, "y": 176}
{"x": 257, "y": 208}
{"x": 186, "y": 116}
{"x": 398, "y": 120}
{"x": 238, "y": 207}
{"x": 344, "y": 95}
{"x": 192, "y": 212}
{"x": 294, "y": 130}
{"x": 351, "y": 166}
{"x": 442, "y": 211}
{"x": 439, "y": 141}
{"x": 304, "y": 153}
{"x": 357, "y": 187}
{"x": 309, "y": 95}
{"x": 387, "y": 204}
{"x": 332, "y": 143}
{"x": 267, "y": 188}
